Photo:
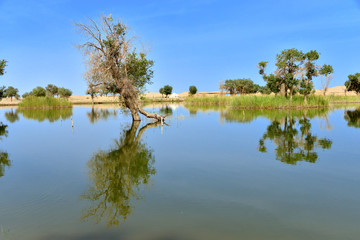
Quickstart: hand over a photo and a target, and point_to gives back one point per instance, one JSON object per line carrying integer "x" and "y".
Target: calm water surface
{"x": 209, "y": 173}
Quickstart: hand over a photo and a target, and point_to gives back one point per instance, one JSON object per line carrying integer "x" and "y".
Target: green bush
{"x": 192, "y": 90}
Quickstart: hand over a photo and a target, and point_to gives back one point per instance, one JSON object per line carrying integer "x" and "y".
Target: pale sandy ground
{"x": 79, "y": 99}
{"x": 336, "y": 91}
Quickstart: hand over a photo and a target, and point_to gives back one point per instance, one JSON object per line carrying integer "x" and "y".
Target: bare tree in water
{"x": 112, "y": 56}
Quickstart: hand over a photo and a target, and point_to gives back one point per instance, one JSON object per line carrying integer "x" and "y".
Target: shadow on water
{"x": 352, "y": 117}
{"x": 117, "y": 175}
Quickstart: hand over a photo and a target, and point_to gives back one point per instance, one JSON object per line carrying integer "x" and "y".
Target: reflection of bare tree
{"x": 352, "y": 117}
{"x": 117, "y": 175}
{"x": 293, "y": 145}
{"x": 96, "y": 115}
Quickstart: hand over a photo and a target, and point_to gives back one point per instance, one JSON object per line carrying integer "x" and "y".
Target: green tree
{"x": 11, "y": 92}
{"x": 122, "y": 69}
{"x": 288, "y": 64}
{"x": 192, "y": 90}
{"x": 52, "y": 90}
{"x": 26, "y": 95}
{"x": 64, "y": 92}
{"x": 117, "y": 175}
{"x": 2, "y": 67}
{"x": 161, "y": 90}
{"x": 310, "y": 70}
{"x": 2, "y": 92}
{"x": 326, "y": 72}
{"x": 353, "y": 84}
{"x": 229, "y": 86}
{"x": 167, "y": 90}
{"x": 38, "y": 92}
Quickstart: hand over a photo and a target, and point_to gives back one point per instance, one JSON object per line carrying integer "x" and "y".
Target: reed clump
{"x": 44, "y": 102}
{"x": 262, "y": 102}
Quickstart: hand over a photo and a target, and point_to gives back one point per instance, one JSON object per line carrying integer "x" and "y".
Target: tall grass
{"x": 343, "y": 99}
{"x": 44, "y": 102}
{"x": 267, "y": 102}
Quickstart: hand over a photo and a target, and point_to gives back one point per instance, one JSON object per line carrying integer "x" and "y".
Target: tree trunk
{"x": 291, "y": 93}
{"x": 283, "y": 89}
{"x": 305, "y": 99}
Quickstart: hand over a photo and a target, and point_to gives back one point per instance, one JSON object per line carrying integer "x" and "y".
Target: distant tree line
{"x": 50, "y": 90}
{"x": 242, "y": 86}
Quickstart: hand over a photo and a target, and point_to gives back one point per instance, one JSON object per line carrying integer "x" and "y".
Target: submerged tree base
{"x": 44, "y": 102}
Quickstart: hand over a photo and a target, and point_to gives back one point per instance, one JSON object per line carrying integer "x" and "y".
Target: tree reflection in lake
{"x": 117, "y": 176}
{"x": 294, "y": 140}
{"x": 52, "y": 115}
{"x": 12, "y": 116}
{"x": 96, "y": 115}
{"x": 353, "y": 117}
{"x": 4, "y": 156}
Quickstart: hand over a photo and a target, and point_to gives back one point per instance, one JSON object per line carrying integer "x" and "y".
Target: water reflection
{"x": 96, "y": 115}
{"x": 117, "y": 176}
{"x": 12, "y": 116}
{"x": 247, "y": 116}
{"x": 294, "y": 140}
{"x": 352, "y": 117}
{"x": 4, "y": 156}
{"x": 51, "y": 115}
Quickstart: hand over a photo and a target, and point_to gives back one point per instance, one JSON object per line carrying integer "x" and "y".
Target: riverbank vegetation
{"x": 270, "y": 102}
{"x": 44, "y": 102}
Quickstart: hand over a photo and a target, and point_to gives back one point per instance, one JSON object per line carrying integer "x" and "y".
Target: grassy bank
{"x": 344, "y": 99}
{"x": 44, "y": 102}
{"x": 261, "y": 102}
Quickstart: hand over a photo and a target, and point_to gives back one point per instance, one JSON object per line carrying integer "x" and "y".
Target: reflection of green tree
{"x": 353, "y": 118}
{"x": 4, "y": 156}
{"x": 250, "y": 115}
{"x": 100, "y": 114}
{"x": 293, "y": 143}
{"x": 166, "y": 110}
{"x": 12, "y": 116}
{"x": 51, "y": 115}
{"x": 117, "y": 175}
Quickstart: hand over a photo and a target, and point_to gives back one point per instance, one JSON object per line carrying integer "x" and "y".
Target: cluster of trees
{"x": 295, "y": 72}
{"x": 353, "y": 84}
{"x": 9, "y": 92}
{"x": 242, "y": 86}
{"x": 166, "y": 90}
{"x": 49, "y": 90}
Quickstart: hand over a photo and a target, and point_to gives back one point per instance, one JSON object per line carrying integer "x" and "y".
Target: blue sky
{"x": 192, "y": 42}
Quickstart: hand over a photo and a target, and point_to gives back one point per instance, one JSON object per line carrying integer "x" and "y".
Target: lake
{"x": 209, "y": 173}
